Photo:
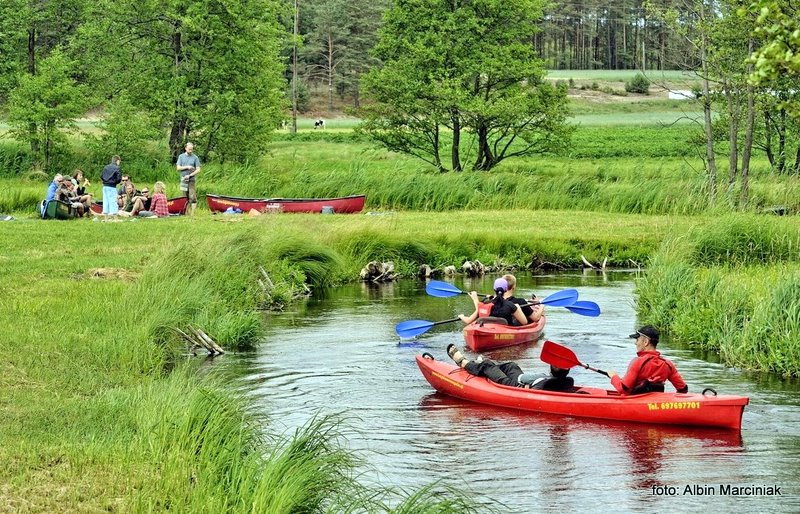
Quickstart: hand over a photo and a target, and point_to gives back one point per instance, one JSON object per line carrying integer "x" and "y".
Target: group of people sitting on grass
{"x": 128, "y": 200}
{"x": 72, "y": 191}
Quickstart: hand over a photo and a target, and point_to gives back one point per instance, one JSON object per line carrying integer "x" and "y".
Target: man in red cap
{"x": 648, "y": 371}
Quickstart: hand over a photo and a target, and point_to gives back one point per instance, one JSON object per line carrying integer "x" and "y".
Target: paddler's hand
{"x": 612, "y": 374}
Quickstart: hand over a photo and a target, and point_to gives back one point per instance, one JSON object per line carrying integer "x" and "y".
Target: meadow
{"x": 104, "y": 411}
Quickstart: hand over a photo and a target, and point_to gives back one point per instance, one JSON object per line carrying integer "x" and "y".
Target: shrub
{"x": 638, "y": 84}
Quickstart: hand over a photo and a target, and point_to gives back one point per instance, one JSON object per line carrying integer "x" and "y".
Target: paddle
{"x": 584, "y": 308}
{"x": 562, "y": 357}
{"x": 563, "y": 298}
{"x": 415, "y": 327}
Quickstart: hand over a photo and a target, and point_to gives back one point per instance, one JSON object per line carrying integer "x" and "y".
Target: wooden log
{"x": 211, "y": 342}
{"x": 207, "y": 343}
{"x": 267, "y": 280}
{"x": 194, "y": 342}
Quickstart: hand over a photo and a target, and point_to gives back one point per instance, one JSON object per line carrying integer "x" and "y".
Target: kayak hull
{"x": 653, "y": 408}
{"x": 481, "y": 336}
{"x": 55, "y": 210}
{"x": 342, "y": 205}
{"x": 174, "y": 205}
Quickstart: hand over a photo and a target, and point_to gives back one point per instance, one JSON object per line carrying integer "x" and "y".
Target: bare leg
{"x": 138, "y": 206}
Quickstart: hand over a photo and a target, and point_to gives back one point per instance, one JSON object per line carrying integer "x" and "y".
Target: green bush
{"x": 638, "y": 84}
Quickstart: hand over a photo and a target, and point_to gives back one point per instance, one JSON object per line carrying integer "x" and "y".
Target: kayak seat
{"x": 491, "y": 319}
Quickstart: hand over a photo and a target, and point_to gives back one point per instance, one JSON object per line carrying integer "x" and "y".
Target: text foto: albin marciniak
{"x": 717, "y": 490}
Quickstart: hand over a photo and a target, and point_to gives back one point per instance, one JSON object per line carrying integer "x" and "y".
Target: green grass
{"x": 733, "y": 287}
{"x": 99, "y": 411}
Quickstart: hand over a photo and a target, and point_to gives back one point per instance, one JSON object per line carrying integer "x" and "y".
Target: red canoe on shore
{"x": 484, "y": 334}
{"x": 345, "y": 204}
{"x": 589, "y": 402}
{"x": 174, "y": 205}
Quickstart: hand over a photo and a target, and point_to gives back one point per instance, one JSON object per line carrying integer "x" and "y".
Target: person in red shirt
{"x": 158, "y": 204}
{"x": 648, "y": 371}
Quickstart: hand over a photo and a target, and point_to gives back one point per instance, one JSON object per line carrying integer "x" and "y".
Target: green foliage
{"x": 732, "y": 287}
{"x": 212, "y": 74}
{"x": 44, "y": 104}
{"x": 638, "y": 84}
{"x": 777, "y": 23}
{"x": 126, "y": 132}
{"x": 463, "y": 68}
{"x": 744, "y": 240}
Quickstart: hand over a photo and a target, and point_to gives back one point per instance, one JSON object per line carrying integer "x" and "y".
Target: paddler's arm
{"x": 472, "y": 317}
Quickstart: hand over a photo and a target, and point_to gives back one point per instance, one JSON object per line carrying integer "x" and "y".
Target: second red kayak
{"x": 589, "y": 402}
{"x": 342, "y": 205}
{"x": 482, "y": 335}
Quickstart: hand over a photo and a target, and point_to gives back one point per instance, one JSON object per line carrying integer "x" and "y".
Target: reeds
{"x": 732, "y": 287}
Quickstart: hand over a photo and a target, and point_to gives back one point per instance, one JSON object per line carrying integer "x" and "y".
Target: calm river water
{"x": 338, "y": 353}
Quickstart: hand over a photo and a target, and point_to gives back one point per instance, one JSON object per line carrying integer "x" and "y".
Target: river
{"x": 337, "y": 353}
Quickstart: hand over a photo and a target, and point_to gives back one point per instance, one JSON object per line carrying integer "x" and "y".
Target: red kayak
{"x": 174, "y": 205}
{"x": 343, "y": 205}
{"x": 483, "y": 334}
{"x": 589, "y": 402}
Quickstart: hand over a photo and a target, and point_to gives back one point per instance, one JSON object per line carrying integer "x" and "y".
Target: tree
{"x": 208, "y": 70}
{"x": 463, "y": 67}
{"x": 326, "y": 44}
{"x": 29, "y": 31}
{"x": 779, "y": 55}
{"x": 49, "y": 101}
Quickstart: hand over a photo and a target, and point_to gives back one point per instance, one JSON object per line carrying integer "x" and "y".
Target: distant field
{"x": 621, "y": 75}
{"x": 638, "y": 118}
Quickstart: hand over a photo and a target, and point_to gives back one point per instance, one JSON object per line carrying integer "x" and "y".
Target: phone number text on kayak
{"x": 673, "y": 405}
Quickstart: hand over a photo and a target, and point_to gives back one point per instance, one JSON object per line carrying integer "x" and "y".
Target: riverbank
{"x": 101, "y": 411}
{"x": 643, "y": 169}
{"x": 731, "y": 287}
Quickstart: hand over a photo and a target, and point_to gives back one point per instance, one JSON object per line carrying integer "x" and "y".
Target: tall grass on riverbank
{"x": 91, "y": 416}
{"x": 618, "y": 169}
{"x": 732, "y": 287}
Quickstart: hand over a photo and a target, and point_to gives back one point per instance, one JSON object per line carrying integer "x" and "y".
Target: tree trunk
{"x": 796, "y": 169}
{"x": 711, "y": 163}
{"x": 748, "y": 139}
{"x": 782, "y": 143}
{"x": 437, "y": 160}
{"x": 294, "y": 68}
{"x": 768, "y": 137}
{"x": 455, "y": 117}
{"x": 733, "y": 136}
{"x": 330, "y": 73}
{"x": 486, "y": 159}
{"x": 178, "y": 135}
{"x": 32, "y": 128}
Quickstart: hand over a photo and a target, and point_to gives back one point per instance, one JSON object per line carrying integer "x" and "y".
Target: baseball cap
{"x": 500, "y": 283}
{"x": 649, "y": 331}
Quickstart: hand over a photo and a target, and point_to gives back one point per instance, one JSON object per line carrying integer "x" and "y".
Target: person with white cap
{"x": 501, "y": 307}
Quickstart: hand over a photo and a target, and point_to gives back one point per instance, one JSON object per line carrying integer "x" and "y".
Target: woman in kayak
{"x": 510, "y": 374}
{"x": 533, "y": 313}
{"x": 501, "y": 307}
{"x": 648, "y": 371}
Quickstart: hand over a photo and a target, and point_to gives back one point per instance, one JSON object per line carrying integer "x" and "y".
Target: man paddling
{"x": 648, "y": 371}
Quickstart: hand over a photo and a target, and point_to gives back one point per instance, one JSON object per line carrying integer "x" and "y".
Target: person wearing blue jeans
{"x": 111, "y": 176}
